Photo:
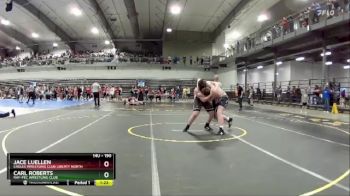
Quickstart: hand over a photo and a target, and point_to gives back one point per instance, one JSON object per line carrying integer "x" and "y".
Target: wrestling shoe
{"x": 13, "y": 113}
{"x": 229, "y": 122}
{"x": 221, "y": 132}
{"x": 208, "y": 128}
{"x": 186, "y": 128}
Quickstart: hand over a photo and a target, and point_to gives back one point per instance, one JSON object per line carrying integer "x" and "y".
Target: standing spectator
{"x": 250, "y": 95}
{"x": 347, "y": 5}
{"x": 330, "y": 9}
{"x": 111, "y": 93}
{"x": 258, "y": 93}
{"x": 79, "y": 92}
{"x": 191, "y": 60}
{"x": 279, "y": 94}
{"x": 285, "y": 25}
{"x": 169, "y": 59}
{"x": 336, "y": 7}
{"x": 239, "y": 96}
{"x": 317, "y": 92}
{"x": 304, "y": 99}
{"x": 315, "y": 12}
{"x": 177, "y": 92}
{"x": 184, "y": 60}
{"x": 31, "y": 93}
{"x": 146, "y": 92}
{"x": 342, "y": 98}
{"x": 238, "y": 49}
{"x": 301, "y": 20}
{"x": 306, "y": 17}
{"x": 184, "y": 93}
{"x": 291, "y": 23}
{"x": 96, "y": 92}
{"x": 326, "y": 95}
{"x": 88, "y": 92}
{"x": 288, "y": 93}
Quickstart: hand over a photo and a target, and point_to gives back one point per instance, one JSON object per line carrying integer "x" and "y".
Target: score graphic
{"x": 77, "y": 169}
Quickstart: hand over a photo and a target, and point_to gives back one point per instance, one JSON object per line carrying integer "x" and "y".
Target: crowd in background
{"x": 90, "y": 57}
{"x": 288, "y": 24}
{"x": 84, "y": 93}
{"x": 309, "y": 96}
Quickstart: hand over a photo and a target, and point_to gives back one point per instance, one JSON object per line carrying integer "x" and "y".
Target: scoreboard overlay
{"x": 75, "y": 169}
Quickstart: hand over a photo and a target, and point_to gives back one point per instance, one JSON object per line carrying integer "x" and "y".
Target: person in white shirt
{"x": 111, "y": 92}
{"x": 96, "y": 92}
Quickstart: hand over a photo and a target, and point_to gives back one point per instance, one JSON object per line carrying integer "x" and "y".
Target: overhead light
{"x": 107, "y": 42}
{"x": 262, "y": 18}
{"x": 277, "y": 74}
{"x": 175, "y": 9}
{"x": 245, "y": 70}
{"x": 226, "y": 46}
{"x": 54, "y": 44}
{"x": 35, "y": 35}
{"x": 279, "y": 63}
{"x": 94, "y": 30}
{"x": 260, "y": 67}
{"x": 169, "y": 30}
{"x": 300, "y": 58}
{"x": 346, "y": 67}
{"x": 328, "y": 53}
{"x": 76, "y": 11}
{"x": 329, "y": 63}
{"x": 5, "y": 22}
{"x": 348, "y": 60}
{"x": 18, "y": 48}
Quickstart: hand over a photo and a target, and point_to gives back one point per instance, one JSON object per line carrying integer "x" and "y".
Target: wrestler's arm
{"x": 207, "y": 98}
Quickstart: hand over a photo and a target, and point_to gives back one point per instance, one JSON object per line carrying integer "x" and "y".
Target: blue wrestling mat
{"x": 41, "y": 104}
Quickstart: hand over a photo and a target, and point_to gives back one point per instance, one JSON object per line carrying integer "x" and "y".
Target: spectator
{"x": 326, "y": 95}
{"x": 250, "y": 95}
{"x": 342, "y": 98}
{"x": 301, "y": 20}
{"x": 290, "y": 23}
{"x": 330, "y": 9}
{"x": 279, "y": 94}
{"x": 306, "y": 17}
{"x": 315, "y": 12}
{"x": 258, "y": 93}
{"x": 317, "y": 93}
{"x": 239, "y": 96}
{"x": 285, "y": 25}
{"x": 304, "y": 99}
{"x": 96, "y": 88}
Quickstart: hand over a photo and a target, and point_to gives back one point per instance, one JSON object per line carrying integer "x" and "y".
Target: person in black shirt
{"x": 7, "y": 114}
{"x": 240, "y": 96}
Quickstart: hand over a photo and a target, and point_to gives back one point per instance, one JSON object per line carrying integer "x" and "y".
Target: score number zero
{"x": 106, "y": 164}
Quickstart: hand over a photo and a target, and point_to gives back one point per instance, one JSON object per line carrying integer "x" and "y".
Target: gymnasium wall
{"x": 187, "y": 43}
{"x": 293, "y": 70}
{"x": 228, "y": 76}
{"x": 127, "y": 71}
